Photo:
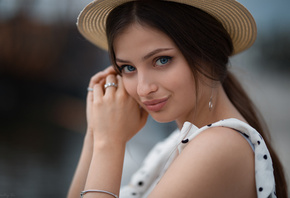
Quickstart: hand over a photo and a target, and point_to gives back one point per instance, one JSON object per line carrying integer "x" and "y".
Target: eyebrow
{"x": 150, "y": 54}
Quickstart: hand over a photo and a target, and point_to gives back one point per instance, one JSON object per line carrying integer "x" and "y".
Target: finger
{"x": 90, "y": 97}
{"x": 110, "y": 79}
{"x": 121, "y": 88}
{"x": 102, "y": 82}
{"x": 101, "y": 75}
{"x": 98, "y": 92}
{"x": 101, "y": 92}
{"x": 110, "y": 70}
{"x": 97, "y": 78}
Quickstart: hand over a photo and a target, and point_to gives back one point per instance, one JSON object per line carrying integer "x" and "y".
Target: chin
{"x": 162, "y": 119}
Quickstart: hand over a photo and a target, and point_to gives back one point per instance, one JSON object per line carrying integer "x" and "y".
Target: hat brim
{"x": 236, "y": 19}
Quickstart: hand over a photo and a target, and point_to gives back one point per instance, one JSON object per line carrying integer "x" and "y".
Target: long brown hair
{"x": 200, "y": 38}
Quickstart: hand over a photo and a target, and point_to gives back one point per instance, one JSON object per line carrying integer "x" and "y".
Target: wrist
{"x": 89, "y": 132}
{"x": 88, "y": 140}
{"x": 109, "y": 144}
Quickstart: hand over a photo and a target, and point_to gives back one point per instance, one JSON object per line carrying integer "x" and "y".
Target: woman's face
{"x": 155, "y": 73}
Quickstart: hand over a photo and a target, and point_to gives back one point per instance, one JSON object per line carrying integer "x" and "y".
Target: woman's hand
{"x": 112, "y": 115}
{"x": 99, "y": 78}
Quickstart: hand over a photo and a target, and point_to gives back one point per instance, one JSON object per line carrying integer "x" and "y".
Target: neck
{"x": 202, "y": 115}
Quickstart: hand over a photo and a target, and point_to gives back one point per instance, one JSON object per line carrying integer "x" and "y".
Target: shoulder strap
{"x": 265, "y": 182}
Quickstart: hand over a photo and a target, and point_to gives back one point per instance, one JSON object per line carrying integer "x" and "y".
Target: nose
{"x": 146, "y": 84}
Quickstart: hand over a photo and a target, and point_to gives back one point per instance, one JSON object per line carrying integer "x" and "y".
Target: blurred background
{"x": 45, "y": 67}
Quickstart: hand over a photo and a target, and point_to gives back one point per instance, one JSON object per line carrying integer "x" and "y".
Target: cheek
{"x": 131, "y": 87}
{"x": 185, "y": 85}
{"x": 182, "y": 79}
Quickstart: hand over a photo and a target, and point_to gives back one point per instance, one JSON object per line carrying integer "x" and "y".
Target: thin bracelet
{"x": 98, "y": 191}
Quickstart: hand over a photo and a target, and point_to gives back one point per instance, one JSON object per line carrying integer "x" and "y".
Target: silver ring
{"x": 110, "y": 85}
{"x": 90, "y": 89}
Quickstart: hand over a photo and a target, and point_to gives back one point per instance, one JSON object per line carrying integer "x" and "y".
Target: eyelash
{"x": 169, "y": 58}
{"x": 122, "y": 67}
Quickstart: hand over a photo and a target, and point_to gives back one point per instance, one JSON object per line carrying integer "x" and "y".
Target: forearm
{"x": 105, "y": 171}
{"x": 114, "y": 118}
{"x": 80, "y": 177}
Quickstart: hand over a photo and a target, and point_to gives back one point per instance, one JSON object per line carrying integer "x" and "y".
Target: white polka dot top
{"x": 162, "y": 155}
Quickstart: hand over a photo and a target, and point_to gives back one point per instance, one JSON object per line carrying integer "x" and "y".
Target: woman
{"x": 170, "y": 60}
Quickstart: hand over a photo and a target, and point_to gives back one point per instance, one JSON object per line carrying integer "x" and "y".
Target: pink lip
{"x": 155, "y": 105}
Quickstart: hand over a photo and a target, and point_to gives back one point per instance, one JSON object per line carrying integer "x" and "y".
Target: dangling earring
{"x": 210, "y": 104}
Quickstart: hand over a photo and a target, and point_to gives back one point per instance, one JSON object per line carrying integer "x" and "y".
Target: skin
{"x": 149, "y": 82}
{"x": 217, "y": 163}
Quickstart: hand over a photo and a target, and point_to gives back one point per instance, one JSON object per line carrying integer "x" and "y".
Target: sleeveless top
{"x": 162, "y": 155}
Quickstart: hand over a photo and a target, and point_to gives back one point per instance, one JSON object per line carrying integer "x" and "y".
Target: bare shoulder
{"x": 218, "y": 162}
{"x": 223, "y": 141}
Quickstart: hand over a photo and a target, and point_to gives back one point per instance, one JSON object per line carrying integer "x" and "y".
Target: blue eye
{"x": 127, "y": 68}
{"x": 163, "y": 60}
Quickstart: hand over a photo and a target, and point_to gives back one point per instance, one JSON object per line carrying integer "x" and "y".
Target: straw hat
{"x": 236, "y": 19}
